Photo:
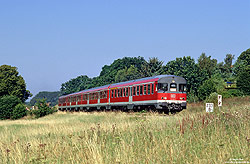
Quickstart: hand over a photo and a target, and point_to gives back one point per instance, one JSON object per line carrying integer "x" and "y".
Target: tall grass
{"x": 191, "y": 136}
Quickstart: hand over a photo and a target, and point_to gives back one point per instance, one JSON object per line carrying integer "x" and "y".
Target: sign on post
{"x": 209, "y": 107}
{"x": 219, "y": 100}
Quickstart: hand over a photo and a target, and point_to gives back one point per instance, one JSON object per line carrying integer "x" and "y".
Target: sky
{"x": 53, "y": 41}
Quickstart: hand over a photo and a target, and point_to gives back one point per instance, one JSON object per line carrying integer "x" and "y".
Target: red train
{"x": 162, "y": 92}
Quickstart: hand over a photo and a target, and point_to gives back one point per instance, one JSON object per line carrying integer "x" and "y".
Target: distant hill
{"x": 51, "y": 97}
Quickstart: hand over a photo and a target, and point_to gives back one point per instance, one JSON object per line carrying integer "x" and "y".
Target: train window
{"x": 152, "y": 88}
{"x": 182, "y": 88}
{"x": 115, "y": 93}
{"x": 121, "y": 92}
{"x": 126, "y": 92}
{"x": 141, "y": 89}
{"x": 148, "y": 89}
{"x": 118, "y": 94}
{"x": 162, "y": 86}
{"x": 173, "y": 87}
{"x": 112, "y": 93}
{"x": 145, "y": 89}
{"x": 134, "y": 91}
{"x": 138, "y": 89}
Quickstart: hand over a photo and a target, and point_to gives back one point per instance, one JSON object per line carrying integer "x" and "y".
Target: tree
{"x": 207, "y": 64}
{"x": 187, "y": 68}
{"x": 206, "y": 89}
{"x": 242, "y": 61}
{"x": 153, "y": 67}
{"x": 108, "y": 73}
{"x": 127, "y": 74}
{"x": 243, "y": 80}
{"x": 43, "y": 109}
{"x": 7, "y": 105}
{"x": 18, "y": 112}
{"x": 74, "y": 85}
{"x": 228, "y": 63}
{"x": 11, "y": 83}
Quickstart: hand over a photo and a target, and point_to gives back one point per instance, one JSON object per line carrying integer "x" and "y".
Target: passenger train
{"x": 165, "y": 93}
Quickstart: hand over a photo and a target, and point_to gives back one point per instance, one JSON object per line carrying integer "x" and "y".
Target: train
{"x": 166, "y": 93}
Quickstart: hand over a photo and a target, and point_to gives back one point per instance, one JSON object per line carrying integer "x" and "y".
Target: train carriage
{"x": 162, "y": 92}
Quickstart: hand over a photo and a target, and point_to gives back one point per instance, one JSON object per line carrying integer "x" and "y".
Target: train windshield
{"x": 182, "y": 87}
{"x": 173, "y": 87}
{"x": 162, "y": 86}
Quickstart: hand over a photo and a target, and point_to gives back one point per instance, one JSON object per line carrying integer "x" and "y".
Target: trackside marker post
{"x": 219, "y": 101}
{"x": 209, "y": 107}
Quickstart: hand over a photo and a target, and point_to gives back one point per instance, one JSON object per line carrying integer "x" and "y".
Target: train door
{"x": 87, "y": 98}
{"x": 98, "y": 96}
{"x": 130, "y": 95}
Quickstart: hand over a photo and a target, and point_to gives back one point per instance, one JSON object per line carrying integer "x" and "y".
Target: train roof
{"x": 121, "y": 84}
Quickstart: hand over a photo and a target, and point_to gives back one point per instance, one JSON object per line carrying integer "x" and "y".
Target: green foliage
{"x": 51, "y": 97}
{"x": 126, "y": 74}
{"x": 187, "y": 68}
{"x": 242, "y": 62}
{"x": 232, "y": 93}
{"x": 212, "y": 98}
{"x": 206, "y": 89}
{"x": 12, "y": 84}
{"x": 152, "y": 67}
{"x": 76, "y": 84}
{"x": 119, "y": 69}
{"x": 7, "y": 105}
{"x": 207, "y": 64}
{"x": 243, "y": 80}
{"x": 18, "y": 112}
{"x": 192, "y": 97}
{"x": 42, "y": 109}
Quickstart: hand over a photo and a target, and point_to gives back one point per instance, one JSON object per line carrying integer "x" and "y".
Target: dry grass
{"x": 191, "y": 136}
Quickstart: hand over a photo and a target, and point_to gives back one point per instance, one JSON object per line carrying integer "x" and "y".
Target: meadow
{"x": 191, "y": 136}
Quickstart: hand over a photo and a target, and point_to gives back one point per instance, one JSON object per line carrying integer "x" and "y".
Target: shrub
{"x": 42, "y": 109}
{"x": 243, "y": 80}
{"x": 232, "y": 93}
{"x": 19, "y": 112}
{"x": 206, "y": 89}
{"x": 212, "y": 98}
{"x": 7, "y": 105}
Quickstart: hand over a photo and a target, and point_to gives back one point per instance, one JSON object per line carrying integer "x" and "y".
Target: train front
{"x": 171, "y": 93}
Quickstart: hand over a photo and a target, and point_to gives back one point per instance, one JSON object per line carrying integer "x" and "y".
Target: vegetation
{"x": 11, "y": 83}
{"x": 191, "y": 136}
{"x": 51, "y": 97}
{"x": 42, "y": 109}
{"x": 7, "y": 107}
{"x": 19, "y": 112}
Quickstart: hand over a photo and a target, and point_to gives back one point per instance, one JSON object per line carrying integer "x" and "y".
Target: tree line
{"x": 204, "y": 77}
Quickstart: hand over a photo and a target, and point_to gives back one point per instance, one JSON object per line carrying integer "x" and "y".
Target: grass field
{"x": 191, "y": 136}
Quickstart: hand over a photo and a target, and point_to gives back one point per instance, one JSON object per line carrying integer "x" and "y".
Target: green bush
{"x": 42, "y": 109}
{"x": 191, "y": 97}
{"x": 18, "y": 112}
{"x": 212, "y": 98}
{"x": 206, "y": 89}
{"x": 7, "y": 105}
{"x": 232, "y": 93}
{"x": 243, "y": 80}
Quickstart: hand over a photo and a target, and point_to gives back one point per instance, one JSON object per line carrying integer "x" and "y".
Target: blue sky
{"x": 52, "y": 41}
